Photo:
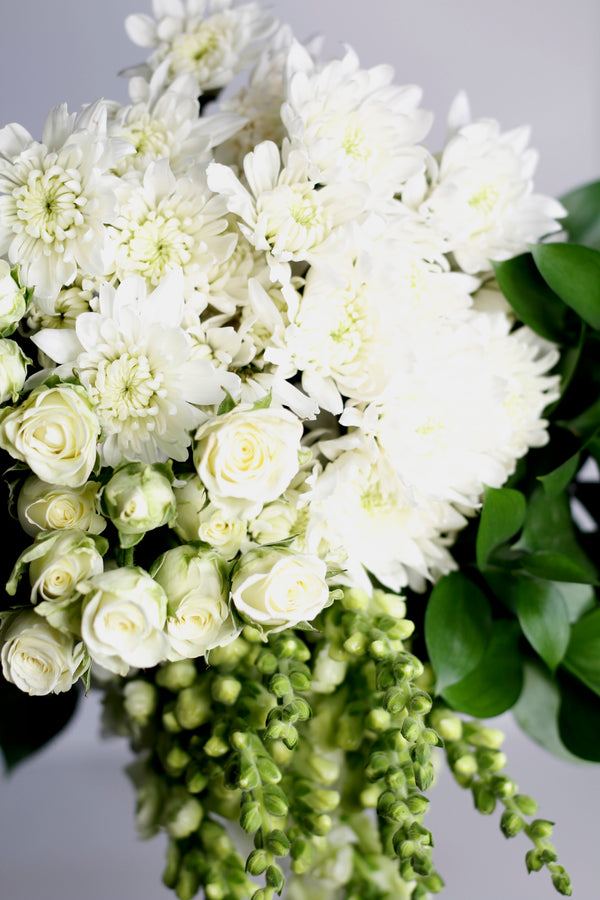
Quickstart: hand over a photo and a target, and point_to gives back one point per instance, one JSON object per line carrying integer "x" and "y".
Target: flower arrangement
{"x": 296, "y": 463}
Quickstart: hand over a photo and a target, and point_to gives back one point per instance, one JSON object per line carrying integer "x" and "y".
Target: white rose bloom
{"x": 483, "y": 200}
{"x": 12, "y": 299}
{"x": 209, "y": 39}
{"x": 49, "y": 507}
{"x": 55, "y": 431}
{"x": 37, "y": 658}
{"x": 13, "y": 370}
{"x": 248, "y": 457}
{"x": 135, "y": 362}
{"x": 276, "y": 589}
{"x": 56, "y": 198}
{"x": 197, "y": 588}
{"x": 354, "y": 123}
{"x": 225, "y": 533}
{"x": 57, "y": 563}
{"x": 123, "y": 616}
{"x": 190, "y": 497}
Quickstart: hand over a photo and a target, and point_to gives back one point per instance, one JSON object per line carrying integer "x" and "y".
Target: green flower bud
{"x": 139, "y": 700}
{"x": 511, "y": 823}
{"x": 268, "y": 772}
{"x": 137, "y": 499}
{"x": 356, "y": 644}
{"x": 540, "y": 829}
{"x": 267, "y": 663}
{"x": 225, "y": 689}
{"x": 196, "y": 778}
{"x": 215, "y": 746}
{"x": 526, "y": 804}
{"x": 183, "y": 813}
{"x": 433, "y": 883}
{"x": 326, "y": 771}
{"x": 169, "y": 719}
{"x": 171, "y": 871}
{"x": 410, "y": 729}
{"x": 562, "y": 882}
{"x": 302, "y": 855}
{"x": 378, "y": 719}
{"x": 193, "y": 707}
{"x": 323, "y": 801}
{"x": 319, "y": 825}
{"x": 355, "y": 599}
{"x": 548, "y": 854}
{"x": 257, "y": 862}
{"x": 503, "y": 786}
{"x": 175, "y": 676}
{"x": 279, "y": 685}
{"x": 485, "y": 801}
{"x": 424, "y": 775}
{"x": 188, "y": 884}
{"x": 396, "y": 698}
{"x": 417, "y": 804}
{"x": 465, "y": 765}
{"x": 298, "y": 710}
{"x": 280, "y": 752}
{"x": 378, "y": 765}
{"x": 369, "y": 797}
{"x": 448, "y": 726}
{"x": 300, "y": 680}
{"x": 420, "y": 703}
{"x": 172, "y": 755}
{"x": 480, "y": 736}
{"x": 431, "y": 737}
{"x": 275, "y": 801}
{"x": 533, "y": 861}
{"x": 250, "y": 816}
{"x": 396, "y": 779}
{"x": 490, "y": 760}
{"x": 275, "y": 878}
{"x": 278, "y": 843}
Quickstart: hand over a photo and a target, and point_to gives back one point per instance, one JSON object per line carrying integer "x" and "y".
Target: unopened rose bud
{"x": 139, "y": 699}
{"x": 176, "y": 676}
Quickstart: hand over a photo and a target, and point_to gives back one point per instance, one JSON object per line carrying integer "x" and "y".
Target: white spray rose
{"x": 12, "y": 300}
{"x": 224, "y": 532}
{"x": 197, "y": 587}
{"x": 49, "y": 507}
{"x": 137, "y": 499}
{"x": 123, "y": 616}
{"x": 275, "y": 589}
{"x": 13, "y": 370}
{"x": 248, "y": 457}
{"x": 37, "y": 658}
{"x": 54, "y": 431}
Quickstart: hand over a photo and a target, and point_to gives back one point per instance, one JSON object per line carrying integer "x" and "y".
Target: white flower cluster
{"x": 270, "y": 329}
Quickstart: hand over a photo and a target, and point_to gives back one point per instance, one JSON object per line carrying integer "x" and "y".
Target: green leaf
{"x": 531, "y": 298}
{"x": 582, "y": 223}
{"x": 28, "y": 723}
{"x": 495, "y": 683}
{"x": 536, "y": 710}
{"x": 549, "y": 528}
{"x": 556, "y": 481}
{"x": 555, "y": 567}
{"x": 502, "y": 517}
{"x": 226, "y": 405}
{"x": 579, "y": 599}
{"x": 542, "y": 614}
{"x": 579, "y": 719}
{"x": 573, "y": 272}
{"x": 457, "y": 628}
{"x": 583, "y": 653}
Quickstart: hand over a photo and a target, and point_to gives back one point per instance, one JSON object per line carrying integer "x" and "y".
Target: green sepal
{"x": 495, "y": 684}
{"x": 457, "y": 628}
{"x": 263, "y": 402}
{"x": 226, "y": 405}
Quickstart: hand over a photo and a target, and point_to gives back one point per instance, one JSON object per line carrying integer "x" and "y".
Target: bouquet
{"x": 293, "y": 418}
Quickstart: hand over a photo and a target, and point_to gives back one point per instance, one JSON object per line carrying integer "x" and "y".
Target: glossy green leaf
{"x": 555, "y": 567}
{"x": 542, "y": 614}
{"x": 556, "y": 481}
{"x": 582, "y": 223}
{"x": 579, "y": 718}
{"x": 530, "y": 297}
{"x": 583, "y": 653}
{"x": 457, "y": 628}
{"x": 28, "y": 723}
{"x": 579, "y": 599}
{"x": 536, "y": 710}
{"x": 495, "y": 684}
{"x": 573, "y": 272}
{"x": 502, "y": 517}
{"x": 549, "y": 528}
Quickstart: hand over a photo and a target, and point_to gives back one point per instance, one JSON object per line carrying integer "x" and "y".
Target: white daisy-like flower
{"x": 359, "y": 504}
{"x": 165, "y": 123}
{"x": 56, "y": 197}
{"x": 483, "y": 200}
{"x": 354, "y": 123}
{"x": 166, "y": 223}
{"x": 134, "y": 360}
{"x": 209, "y": 39}
{"x": 285, "y": 213}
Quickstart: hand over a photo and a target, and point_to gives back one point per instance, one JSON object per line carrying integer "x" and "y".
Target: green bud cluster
{"x": 476, "y": 760}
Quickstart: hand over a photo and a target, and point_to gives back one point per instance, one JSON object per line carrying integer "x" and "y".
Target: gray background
{"x": 66, "y": 816}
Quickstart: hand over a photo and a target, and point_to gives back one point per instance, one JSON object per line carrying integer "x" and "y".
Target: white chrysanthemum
{"x": 483, "y": 200}
{"x": 166, "y": 124}
{"x": 56, "y": 197}
{"x": 286, "y": 214}
{"x": 359, "y": 504}
{"x": 165, "y": 223}
{"x": 135, "y": 362}
{"x": 70, "y": 303}
{"x": 355, "y": 124}
{"x": 209, "y": 39}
